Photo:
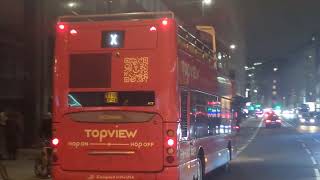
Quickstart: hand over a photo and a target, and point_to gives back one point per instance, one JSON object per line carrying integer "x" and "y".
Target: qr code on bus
{"x": 136, "y": 70}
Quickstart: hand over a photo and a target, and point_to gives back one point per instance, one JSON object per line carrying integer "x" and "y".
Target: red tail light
{"x": 73, "y": 32}
{"x": 61, "y": 26}
{"x": 278, "y": 120}
{"x": 55, "y": 141}
{"x": 153, "y": 28}
{"x": 268, "y": 121}
{"x": 237, "y": 127}
{"x": 165, "y": 22}
{"x": 170, "y": 142}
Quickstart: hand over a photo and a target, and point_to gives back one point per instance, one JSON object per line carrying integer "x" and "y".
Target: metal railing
{"x": 183, "y": 34}
{"x": 117, "y": 16}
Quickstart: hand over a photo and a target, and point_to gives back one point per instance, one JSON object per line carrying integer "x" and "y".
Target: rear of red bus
{"x": 115, "y": 100}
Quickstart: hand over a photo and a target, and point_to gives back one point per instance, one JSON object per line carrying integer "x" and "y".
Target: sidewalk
{"x": 22, "y": 168}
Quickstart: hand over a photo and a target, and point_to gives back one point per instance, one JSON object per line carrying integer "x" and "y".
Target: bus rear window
{"x": 90, "y": 71}
{"x": 121, "y": 98}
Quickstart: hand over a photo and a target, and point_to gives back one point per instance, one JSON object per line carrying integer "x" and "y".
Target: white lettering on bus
{"x": 105, "y": 133}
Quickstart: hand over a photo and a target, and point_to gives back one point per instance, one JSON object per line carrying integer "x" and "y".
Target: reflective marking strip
{"x": 316, "y": 140}
{"x": 111, "y": 152}
{"x": 98, "y": 144}
{"x": 250, "y": 140}
{"x": 303, "y": 145}
{"x": 108, "y": 144}
{"x": 313, "y": 160}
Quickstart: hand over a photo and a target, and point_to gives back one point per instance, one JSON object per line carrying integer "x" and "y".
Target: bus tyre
{"x": 199, "y": 175}
{"x": 40, "y": 170}
{"x": 226, "y": 168}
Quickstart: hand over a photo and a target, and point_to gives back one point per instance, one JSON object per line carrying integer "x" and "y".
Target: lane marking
{"x": 308, "y": 151}
{"x": 303, "y": 145}
{"x": 313, "y": 160}
{"x": 288, "y": 124}
{"x": 316, "y": 174}
{"x": 316, "y": 140}
{"x": 250, "y": 139}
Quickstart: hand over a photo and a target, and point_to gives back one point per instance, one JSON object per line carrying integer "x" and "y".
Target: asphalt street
{"x": 291, "y": 152}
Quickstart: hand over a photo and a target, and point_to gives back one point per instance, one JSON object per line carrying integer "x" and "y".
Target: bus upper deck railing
{"x": 116, "y": 16}
{"x": 183, "y": 34}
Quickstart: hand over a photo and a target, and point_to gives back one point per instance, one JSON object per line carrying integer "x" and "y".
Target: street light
{"x": 233, "y": 46}
{"x": 275, "y": 69}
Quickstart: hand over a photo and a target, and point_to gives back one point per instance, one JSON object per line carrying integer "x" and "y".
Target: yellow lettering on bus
{"x": 123, "y": 133}
{"x": 132, "y": 134}
{"x": 88, "y": 132}
{"x": 95, "y": 133}
{"x": 106, "y": 133}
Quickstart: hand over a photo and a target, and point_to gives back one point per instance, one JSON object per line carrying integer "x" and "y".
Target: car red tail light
{"x": 268, "y": 121}
{"x": 278, "y": 121}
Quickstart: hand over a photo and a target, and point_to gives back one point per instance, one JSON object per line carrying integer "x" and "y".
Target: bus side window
{"x": 199, "y": 119}
{"x": 184, "y": 114}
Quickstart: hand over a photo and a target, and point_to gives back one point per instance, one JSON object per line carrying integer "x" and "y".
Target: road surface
{"x": 288, "y": 153}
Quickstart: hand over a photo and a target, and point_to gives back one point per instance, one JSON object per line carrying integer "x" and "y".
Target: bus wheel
{"x": 227, "y": 166}
{"x": 199, "y": 175}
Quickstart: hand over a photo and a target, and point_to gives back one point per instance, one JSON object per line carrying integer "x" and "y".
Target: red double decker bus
{"x": 137, "y": 97}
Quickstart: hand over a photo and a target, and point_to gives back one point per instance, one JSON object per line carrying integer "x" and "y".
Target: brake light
{"x": 55, "y": 141}
{"x": 278, "y": 120}
{"x": 170, "y": 142}
{"x": 61, "y": 26}
{"x": 237, "y": 127}
{"x": 153, "y": 28}
{"x": 73, "y": 32}
{"x": 268, "y": 121}
{"x": 165, "y": 22}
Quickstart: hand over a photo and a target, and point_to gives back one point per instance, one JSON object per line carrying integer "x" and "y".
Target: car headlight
{"x": 302, "y": 120}
{"x": 299, "y": 116}
{"x": 312, "y": 121}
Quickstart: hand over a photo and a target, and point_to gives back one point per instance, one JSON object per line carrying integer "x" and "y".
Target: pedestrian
{"x": 3, "y": 172}
{"x": 3, "y": 122}
{"x": 12, "y": 133}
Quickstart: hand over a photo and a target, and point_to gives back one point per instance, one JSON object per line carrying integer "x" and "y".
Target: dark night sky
{"x": 275, "y": 27}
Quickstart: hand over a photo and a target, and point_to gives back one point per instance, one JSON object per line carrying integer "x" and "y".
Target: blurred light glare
{"x": 207, "y": 2}
{"x": 233, "y": 46}
{"x": 275, "y": 69}
{"x": 72, "y": 4}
